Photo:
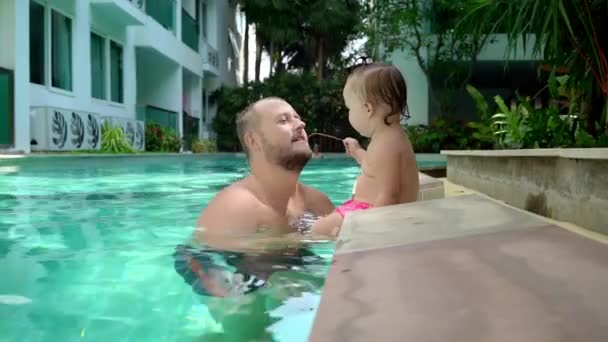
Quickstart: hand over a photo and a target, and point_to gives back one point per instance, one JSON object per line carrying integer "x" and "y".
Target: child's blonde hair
{"x": 380, "y": 83}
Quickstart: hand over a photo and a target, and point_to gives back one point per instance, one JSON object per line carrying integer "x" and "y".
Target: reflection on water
{"x": 86, "y": 252}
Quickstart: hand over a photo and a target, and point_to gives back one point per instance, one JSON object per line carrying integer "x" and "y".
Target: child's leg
{"x": 329, "y": 225}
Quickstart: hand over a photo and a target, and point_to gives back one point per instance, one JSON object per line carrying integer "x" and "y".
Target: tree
{"x": 303, "y": 35}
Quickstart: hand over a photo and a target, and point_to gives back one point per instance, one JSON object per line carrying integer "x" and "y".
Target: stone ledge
{"x": 570, "y": 153}
{"x": 559, "y": 184}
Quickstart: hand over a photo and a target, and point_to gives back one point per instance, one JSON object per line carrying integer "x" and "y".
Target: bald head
{"x": 248, "y": 118}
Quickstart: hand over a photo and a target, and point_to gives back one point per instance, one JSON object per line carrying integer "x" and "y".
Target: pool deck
{"x": 464, "y": 268}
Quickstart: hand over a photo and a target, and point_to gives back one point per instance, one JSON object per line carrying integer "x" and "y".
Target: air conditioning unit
{"x": 134, "y": 131}
{"x": 55, "y": 129}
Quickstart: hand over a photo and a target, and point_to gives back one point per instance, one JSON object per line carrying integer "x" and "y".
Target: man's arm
{"x": 317, "y": 202}
{"x": 385, "y": 164}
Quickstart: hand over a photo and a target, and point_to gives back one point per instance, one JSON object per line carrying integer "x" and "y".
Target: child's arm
{"x": 354, "y": 150}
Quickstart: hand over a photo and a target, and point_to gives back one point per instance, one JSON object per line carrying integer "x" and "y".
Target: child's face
{"x": 359, "y": 112}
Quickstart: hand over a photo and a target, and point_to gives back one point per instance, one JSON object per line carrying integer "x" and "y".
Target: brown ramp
{"x": 463, "y": 269}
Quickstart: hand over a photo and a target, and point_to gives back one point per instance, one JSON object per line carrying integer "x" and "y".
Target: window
{"x": 37, "y": 32}
{"x": 204, "y": 18}
{"x": 204, "y": 106}
{"x": 61, "y": 51}
{"x": 116, "y": 72}
{"x": 98, "y": 70}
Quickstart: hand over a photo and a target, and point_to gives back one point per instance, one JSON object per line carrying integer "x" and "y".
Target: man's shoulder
{"x": 235, "y": 206}
{"x": 236, "y": 195}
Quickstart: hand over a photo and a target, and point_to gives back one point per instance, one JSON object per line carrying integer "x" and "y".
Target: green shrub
{"x": 203, "y": 146}
{"x": 113, "y": 140}
{"x": 319, "y": 103}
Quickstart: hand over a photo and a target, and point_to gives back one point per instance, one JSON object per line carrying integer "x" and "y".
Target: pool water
{"x": 86, "y": 251}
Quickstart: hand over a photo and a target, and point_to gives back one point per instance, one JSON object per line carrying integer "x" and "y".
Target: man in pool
{"x": 273, "y": 137}
{"x": 266, "y": 211}
{"x": 270, "y": 202}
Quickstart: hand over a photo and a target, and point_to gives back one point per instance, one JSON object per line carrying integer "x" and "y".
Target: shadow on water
{"x": 270, "y": 296}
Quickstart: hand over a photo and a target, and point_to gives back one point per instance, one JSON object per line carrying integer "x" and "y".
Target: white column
{"x": 180, "y": 108}
{"x": 178, "y": 19}
{"x": 82, "y": 53}
{"x": 22, "y": 75}
{"x": 130, "y": 73}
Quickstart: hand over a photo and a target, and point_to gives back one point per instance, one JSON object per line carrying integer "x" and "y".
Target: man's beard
{"x": 287, "y": 158}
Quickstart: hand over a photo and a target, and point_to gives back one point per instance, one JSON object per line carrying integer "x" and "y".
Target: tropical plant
{"x": 113, "y": 140}
{"x": 569, "y": 36}
{"x": 482, "y": 129}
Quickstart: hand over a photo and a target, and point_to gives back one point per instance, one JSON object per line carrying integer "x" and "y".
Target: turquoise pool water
{"x": 86, "y": 244}
{"x": 86, "y": 251}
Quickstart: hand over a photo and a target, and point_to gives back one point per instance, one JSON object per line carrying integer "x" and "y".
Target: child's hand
{"x": 351, "y": 145}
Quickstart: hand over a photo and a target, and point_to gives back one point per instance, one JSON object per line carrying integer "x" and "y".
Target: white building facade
{"x": 489, "y": 76}
{"x": 68, "y": 65}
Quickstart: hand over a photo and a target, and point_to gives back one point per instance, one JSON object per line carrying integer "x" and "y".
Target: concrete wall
{"x": 567, "y": 188}
{"x": 421, "y": 109}
{"x": 417, "y": 87}
{"x": 160, "y": 83}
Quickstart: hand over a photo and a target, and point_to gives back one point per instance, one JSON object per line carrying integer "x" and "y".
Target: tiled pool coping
{"x": 463, "y": 268}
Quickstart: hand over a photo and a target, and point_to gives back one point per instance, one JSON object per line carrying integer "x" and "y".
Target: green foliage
{"x": 523, "y": 126}
{"x": 203, "y": 146}
{"x": 569, "y": 36}
{"x": 482, "y": 130}
{"x": 445, "y": 134}
{"x": 161, "y": 139}
{"x": 428, "y": 32}
{"x": 113, "y": 140}
{"x": 319, "y": 103}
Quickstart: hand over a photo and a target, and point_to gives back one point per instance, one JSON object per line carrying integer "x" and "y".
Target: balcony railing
{"x": 190, "y": 30}
{"x": 210, "y": 56}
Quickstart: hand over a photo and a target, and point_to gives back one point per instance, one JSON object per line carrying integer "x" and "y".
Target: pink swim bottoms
{"x": 352, "y": 205}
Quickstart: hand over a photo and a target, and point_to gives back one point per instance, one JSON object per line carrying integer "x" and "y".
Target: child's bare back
{"x": 389, "y": 174}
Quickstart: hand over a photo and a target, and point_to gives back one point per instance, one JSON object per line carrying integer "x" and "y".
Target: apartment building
{"x": 489, "y": 76}
{"x": 67, "y": 66}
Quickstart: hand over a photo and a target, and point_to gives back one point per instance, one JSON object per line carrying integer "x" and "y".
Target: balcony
{"x": 121, "y": 12}
{"x": 211, "y": 61}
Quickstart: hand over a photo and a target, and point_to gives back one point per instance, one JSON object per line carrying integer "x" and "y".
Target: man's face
{"x": 283, "y": 139}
